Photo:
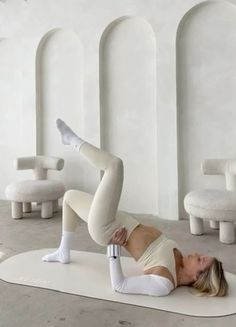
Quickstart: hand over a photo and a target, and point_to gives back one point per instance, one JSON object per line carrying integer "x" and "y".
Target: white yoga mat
{"x": 88, "y": 275}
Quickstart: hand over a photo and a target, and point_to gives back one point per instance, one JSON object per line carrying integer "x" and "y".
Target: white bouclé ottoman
{"x": 217, "y": 206}
{"x": 40, "y": 190}
{"x": 46, "y": 192}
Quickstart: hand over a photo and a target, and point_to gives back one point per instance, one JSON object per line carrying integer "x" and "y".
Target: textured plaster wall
{"x": 152, "y": 81}
{"x": 206, "y": 82}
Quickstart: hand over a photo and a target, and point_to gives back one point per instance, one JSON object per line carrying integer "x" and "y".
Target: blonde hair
{"x": 212, "y": 281}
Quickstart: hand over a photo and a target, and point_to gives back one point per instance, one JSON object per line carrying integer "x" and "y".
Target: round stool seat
{"x": 35, "y": 191}
{"x": 211, "y": 204}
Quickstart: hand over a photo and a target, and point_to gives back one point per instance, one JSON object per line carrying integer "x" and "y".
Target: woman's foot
{"x": 68, "y": 137}
{"x": 62, "y": 254}
{"x": 58, "y": 256}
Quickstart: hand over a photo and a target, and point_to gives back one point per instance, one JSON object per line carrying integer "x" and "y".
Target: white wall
{"x": 152, "y": 81}
{"x": 128, "y": 108}
{"x": 206, "y": 79}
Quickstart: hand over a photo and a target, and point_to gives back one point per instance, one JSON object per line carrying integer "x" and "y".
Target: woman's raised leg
{"x": 99, "y": 211}
{"x": 102, "y": 215}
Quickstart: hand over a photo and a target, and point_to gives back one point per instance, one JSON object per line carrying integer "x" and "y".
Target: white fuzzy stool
{"x": 217, "y": 206}
{"x": 41, "y": 190}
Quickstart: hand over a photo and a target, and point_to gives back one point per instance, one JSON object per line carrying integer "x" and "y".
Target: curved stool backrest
{"x": 225, "y": 167}
{"x": 39, "y": 164}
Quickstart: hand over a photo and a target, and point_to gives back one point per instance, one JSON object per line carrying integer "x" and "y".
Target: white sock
{"x": 68, "y": 137}
{"x": 62, "y": 254}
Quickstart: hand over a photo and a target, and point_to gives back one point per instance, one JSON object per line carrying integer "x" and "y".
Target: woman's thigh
{"x": 80, "y": 202}
{"x": 100, "y": 230}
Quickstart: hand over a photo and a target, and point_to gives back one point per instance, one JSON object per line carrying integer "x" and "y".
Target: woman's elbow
{"x": 165, "y": 292}
{"x": 117, "y": 288}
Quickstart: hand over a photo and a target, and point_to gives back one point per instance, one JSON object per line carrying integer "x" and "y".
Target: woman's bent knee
{"x": 75, "y": 196}
{"x": 69, "y": 194}
{"x": 117, "y": 163}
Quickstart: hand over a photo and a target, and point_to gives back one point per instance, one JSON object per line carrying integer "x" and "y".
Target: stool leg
{"x": 27, "y": 207}
{"x": 196, "y": 225}
{"x": 55, "y": 205}
{"x": 227, "y": 232}
{"x": 16, "y": 210}
{"x": 214, "y": 224}
{"x": 47, "y": 209}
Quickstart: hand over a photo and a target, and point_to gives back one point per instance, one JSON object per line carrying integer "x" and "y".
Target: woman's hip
{"x": 102, "y": 233}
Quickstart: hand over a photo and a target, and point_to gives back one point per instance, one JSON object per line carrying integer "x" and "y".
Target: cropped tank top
{"x": 160, "y": 253}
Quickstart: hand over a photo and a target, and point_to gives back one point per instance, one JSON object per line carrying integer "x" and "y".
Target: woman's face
{"x": 198, "y": 263}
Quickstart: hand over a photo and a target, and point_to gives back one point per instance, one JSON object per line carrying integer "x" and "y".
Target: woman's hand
{"x": 119, "y": 237}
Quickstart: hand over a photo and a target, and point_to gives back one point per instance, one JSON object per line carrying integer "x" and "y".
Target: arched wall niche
{"x": 128, "y": 112}
{"x": 59, "y": 93}
{"x": 206, "y": 98}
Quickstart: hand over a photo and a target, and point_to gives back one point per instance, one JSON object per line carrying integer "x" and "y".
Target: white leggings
{"x": 100, "y": 210}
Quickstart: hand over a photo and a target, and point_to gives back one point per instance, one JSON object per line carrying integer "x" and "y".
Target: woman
{"x": 164, "y": 266}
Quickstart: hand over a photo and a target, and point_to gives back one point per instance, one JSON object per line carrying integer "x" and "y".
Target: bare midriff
{"x": 139, "y": 240}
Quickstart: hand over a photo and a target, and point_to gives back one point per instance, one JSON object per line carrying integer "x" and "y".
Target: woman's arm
{"x": 145, "y": 284}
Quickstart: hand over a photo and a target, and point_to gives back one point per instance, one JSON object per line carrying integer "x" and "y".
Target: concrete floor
{"x": 28, "y": 306}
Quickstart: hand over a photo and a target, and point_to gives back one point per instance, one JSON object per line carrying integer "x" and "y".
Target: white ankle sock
{"x": 62, "y": 254}
{"x": 68, "y": 136}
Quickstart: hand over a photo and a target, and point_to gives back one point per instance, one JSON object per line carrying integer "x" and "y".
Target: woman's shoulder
{"x": 160, "y": 271}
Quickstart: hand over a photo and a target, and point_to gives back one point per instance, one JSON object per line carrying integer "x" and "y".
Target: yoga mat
{"x": 88, "y": 275}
